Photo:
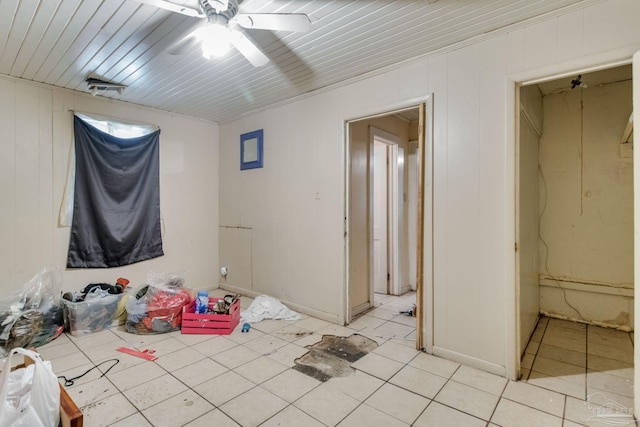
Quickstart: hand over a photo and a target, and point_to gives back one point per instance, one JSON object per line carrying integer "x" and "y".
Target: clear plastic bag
{"x": 156, "y": 307}
{"x": 167, "y": 280}
{"x": 34, "y": 315}
{"x": 30, "y": 396}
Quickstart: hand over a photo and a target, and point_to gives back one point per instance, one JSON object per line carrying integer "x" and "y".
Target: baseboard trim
{"x": 473, "y": 362}
{"x": 360, "y": 309}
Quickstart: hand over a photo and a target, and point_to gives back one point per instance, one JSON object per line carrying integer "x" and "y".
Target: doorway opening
{"x": 388, "y": 219}
{"x": 574, "y": 234}
{"x": 383, "y": 218}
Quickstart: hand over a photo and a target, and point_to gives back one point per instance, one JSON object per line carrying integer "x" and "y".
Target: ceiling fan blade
{"x": 248, "y": 49}
{"x": 298, "y": 22}
{"x": 167, "y": 5}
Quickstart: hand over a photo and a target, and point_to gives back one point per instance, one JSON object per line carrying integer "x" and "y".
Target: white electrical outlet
{"x": 224, "y": 271}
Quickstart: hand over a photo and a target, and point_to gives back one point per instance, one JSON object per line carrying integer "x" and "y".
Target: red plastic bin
{"x": 220, "y": 324}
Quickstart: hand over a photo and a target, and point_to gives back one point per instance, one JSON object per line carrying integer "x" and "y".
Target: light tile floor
{"x": 246, "y": 378}
{"x": 582, "y": 364}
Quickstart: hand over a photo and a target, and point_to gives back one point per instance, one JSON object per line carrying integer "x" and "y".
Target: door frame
{"x": 635, "y": 75}
{"x": 426, "y": 239}
{"x": 411, "y": 163}
{"x": 522, "y": 115}
{"x": 424, "y": 282}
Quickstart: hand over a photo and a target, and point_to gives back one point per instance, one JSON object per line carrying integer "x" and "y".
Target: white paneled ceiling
{"x": 62, "y": 42}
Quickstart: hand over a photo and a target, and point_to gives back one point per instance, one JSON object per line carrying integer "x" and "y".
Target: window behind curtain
{"x": 113, "y": 127}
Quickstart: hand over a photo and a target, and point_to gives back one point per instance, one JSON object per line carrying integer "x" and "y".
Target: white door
{"x": 527, "y": 228}
{"x": 380, "y": 232}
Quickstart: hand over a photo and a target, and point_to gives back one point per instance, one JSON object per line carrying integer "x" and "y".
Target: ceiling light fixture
{"x": 215, "y": 42}
{"x": 214, "y": 37}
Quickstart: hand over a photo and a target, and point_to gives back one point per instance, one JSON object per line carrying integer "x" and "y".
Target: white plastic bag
{"x": 266, "y": 307}
{"x": 30, "y": 396}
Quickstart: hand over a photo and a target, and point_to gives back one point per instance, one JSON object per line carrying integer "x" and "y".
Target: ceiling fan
{"x": 223, "y": 26}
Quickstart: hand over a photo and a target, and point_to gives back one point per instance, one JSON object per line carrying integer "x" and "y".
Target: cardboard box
{"x": 220, "y": 324}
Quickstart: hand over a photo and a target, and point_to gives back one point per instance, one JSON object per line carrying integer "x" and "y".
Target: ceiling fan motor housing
{"x": 226, "y": 8}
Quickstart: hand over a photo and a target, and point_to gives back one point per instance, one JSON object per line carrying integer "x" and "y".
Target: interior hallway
{"x": 246, "y": 379}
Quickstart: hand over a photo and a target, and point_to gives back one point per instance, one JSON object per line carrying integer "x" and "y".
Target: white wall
{"x": 295, "y": 206}
{"x": 588, "y": 220}
{"x": 37, "y": 132}
{"x": 289, "y": 210}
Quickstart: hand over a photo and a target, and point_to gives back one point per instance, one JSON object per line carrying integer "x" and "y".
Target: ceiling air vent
{"x": 96, "y": 85}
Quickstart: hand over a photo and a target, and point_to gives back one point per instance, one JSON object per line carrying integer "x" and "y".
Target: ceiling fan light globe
{"x": 214, "y": 40}
{"x": 214, "y": 50}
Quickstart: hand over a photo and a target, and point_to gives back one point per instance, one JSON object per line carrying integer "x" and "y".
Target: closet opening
{"x": 575, "y": 235}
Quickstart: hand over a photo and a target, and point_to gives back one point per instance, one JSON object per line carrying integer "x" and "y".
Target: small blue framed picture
{"x": 251, "y": 150}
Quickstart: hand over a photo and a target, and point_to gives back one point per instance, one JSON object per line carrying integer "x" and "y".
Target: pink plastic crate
{"x": 220, "y": 324}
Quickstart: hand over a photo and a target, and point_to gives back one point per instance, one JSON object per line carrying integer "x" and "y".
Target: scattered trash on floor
{"x": 144, "y": 354}
{"x": 333, "y": 356}
{"x": 410, "y": 312}
{"x": 266, "y": 307}
{"x": 68, "y": 382}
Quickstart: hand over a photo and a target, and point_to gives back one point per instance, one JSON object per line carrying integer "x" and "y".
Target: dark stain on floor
{"x": 333, "y": 356}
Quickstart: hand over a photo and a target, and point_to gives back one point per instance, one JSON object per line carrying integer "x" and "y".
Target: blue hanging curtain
{"x": 116, "y": 206}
